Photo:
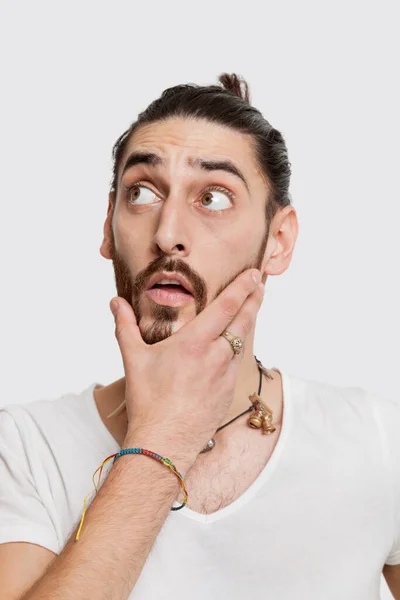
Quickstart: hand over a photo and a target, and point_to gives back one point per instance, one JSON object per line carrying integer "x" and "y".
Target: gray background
{"x": 75, "y": 74}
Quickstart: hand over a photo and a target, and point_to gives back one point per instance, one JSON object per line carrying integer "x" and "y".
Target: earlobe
{"x": 283, "y": 242}
{"x": 104, "y": 249}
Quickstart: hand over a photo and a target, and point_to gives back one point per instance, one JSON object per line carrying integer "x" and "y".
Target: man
{"x": 279, "y": 487}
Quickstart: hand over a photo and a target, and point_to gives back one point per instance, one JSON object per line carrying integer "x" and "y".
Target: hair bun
{"x": 236, "y": 85}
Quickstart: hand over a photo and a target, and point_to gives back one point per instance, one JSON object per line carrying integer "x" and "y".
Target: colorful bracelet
{"x": 166, "y": 461}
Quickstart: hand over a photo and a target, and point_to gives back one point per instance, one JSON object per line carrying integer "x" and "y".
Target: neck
{"x": 109, "y": 397}
{"x": 247, "y": 380}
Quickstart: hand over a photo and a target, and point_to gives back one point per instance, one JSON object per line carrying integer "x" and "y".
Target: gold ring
{"x": 234, "y": 341}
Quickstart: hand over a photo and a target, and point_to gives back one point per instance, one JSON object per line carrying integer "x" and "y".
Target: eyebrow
{"x": 152, "y": 159}
{"x": 142, "y": 158}
{"x": 219, "y": 165}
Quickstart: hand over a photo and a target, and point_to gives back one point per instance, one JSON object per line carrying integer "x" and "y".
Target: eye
{"x": 217, "y": 198}
{"x": 139, "y": 194}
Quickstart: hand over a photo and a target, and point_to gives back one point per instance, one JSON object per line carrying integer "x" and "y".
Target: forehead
{"x": 177, "y": 139}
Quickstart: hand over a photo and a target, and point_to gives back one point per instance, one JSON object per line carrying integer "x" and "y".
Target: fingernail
{"x": 114, "y": 306}
{"x": 256, "y": 275}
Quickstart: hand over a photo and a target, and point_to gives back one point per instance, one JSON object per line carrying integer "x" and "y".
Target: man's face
{"x": 184, "y": 213}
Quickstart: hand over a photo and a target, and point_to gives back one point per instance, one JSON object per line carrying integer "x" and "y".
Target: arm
{"x": 125, "y": 517}
{"x": 392, "y": 575}
{"x": 119, "y": 530}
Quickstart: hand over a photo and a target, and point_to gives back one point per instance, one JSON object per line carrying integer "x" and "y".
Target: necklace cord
{"x": 250, "y": 407}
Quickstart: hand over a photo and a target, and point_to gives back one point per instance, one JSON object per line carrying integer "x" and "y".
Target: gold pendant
{"x": 262, "y": 417}
{"x": 267, "y": 425}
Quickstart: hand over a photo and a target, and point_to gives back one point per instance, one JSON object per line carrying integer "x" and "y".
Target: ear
{"x": 105, "y": 248}
{"x": 283, "y": 234}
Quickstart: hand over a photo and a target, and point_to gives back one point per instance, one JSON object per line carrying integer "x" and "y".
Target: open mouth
{"x": 169, "y": 294}
{"x": 171, "y": 287}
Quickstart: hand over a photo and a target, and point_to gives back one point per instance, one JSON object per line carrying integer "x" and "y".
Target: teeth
{"x": 169, "y": 282}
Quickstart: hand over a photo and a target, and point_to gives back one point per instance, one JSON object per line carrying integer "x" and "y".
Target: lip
{"x": 171, "y": 275}
{"x": 166, "y": 298}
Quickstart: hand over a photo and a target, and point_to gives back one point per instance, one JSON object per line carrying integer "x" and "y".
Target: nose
{"x": 171, "y": 236}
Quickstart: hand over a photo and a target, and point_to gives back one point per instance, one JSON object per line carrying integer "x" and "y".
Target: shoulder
{"x": 39, "y": 426}
{"x": 387, "y": 416}
{"x": 321, "y": 397}
{"x": 10, "y": 435}
{"x": 366, "y": 417}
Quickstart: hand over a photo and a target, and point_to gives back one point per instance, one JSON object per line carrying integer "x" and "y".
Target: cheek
{"x": 223, "y": 255}
{"x": 132, "y": 246}
{"x": 237, "y": 241}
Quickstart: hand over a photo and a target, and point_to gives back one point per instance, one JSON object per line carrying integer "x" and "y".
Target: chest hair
{"x": 223, "y": 474}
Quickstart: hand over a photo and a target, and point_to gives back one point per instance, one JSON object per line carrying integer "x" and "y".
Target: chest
{"x": 223, "y": 474}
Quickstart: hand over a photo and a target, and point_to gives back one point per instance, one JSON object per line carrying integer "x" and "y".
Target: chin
{"x": 156, "y": 330}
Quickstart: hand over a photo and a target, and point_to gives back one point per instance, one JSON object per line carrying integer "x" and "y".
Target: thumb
{"x": 127, "y": 331}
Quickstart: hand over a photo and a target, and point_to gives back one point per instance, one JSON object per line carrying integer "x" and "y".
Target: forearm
{"x": 119, "y": 530}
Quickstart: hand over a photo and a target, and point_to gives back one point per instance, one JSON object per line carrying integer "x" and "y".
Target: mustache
{"x": 177, "y": 265}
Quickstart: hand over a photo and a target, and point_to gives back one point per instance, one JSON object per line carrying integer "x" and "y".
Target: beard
{"x": 132, "y": 288}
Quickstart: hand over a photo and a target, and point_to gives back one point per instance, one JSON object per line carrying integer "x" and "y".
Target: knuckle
{"x": 122, "y": 333}
{"x": 118, "y": 330}
{"x": 260, "y": 294}
{"x": 248, "y": 283}
{"x": 229, "y": 306}
{"x": 224, "y": 359}
{"x": 247, "y": 322}
{"x": 195, "y": 348}
{"x": 226, "y": 356}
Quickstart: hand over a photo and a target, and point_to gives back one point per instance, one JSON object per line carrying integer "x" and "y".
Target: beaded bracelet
{"x": 166, "y": 461}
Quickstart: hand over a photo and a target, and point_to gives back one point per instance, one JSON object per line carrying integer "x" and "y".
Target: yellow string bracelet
{"x": 166, "y": 461}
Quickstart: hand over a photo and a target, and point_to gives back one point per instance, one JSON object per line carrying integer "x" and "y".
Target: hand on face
{"x": 179, "y": 389}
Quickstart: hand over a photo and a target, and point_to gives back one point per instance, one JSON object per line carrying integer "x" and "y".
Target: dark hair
{"x": 226, "y": 104}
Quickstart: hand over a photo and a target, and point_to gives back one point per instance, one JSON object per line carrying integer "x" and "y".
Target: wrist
{"x": 181, "y": 457}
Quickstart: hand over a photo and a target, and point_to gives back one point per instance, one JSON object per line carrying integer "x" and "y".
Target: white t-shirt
{"x": 319, "y": 522}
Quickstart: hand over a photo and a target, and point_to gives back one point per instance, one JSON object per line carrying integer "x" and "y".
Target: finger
{"x": 216, "y": 317}
{"x": 244, "y": 321}
{"x": 127, "y": 331}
